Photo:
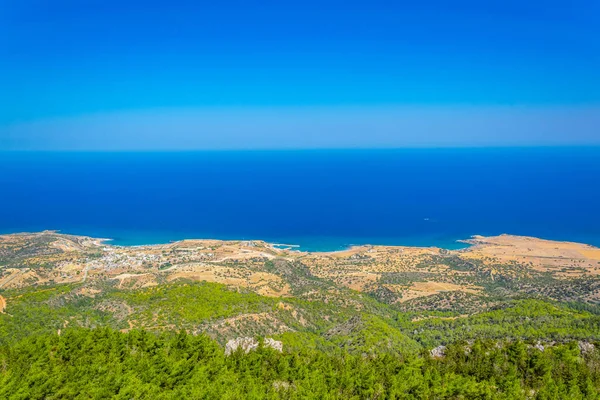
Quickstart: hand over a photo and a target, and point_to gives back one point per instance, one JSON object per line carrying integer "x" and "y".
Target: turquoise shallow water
{"x": 312, "y": 243}
{"x": 320, "y": 200}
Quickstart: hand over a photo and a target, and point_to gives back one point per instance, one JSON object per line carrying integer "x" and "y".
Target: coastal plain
{"x": 406, "y": 273}
{"x": 34, "y": 259}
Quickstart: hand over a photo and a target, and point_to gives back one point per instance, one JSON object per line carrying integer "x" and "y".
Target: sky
{"x": 178, "y": 75}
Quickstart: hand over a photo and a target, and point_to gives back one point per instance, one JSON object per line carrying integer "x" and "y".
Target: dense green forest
{"x": 167, "y": 342}
{"x": 103, "y": 363}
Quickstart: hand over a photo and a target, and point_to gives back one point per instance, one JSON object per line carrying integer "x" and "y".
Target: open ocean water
{"x": 320, "y": 200}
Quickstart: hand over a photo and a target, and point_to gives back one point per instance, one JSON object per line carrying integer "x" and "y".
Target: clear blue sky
{"x": 114, "y": 75}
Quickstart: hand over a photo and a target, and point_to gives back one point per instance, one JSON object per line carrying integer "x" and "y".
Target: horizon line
{"x": 311, "y": 149}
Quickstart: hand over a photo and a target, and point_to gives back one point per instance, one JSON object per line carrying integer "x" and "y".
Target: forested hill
{"x": 103, "y": 363}
{"x": 527, "y": 349}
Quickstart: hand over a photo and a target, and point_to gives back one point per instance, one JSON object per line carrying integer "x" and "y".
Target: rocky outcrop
{"x": 247, "y": 344}
{"x": 438, "y": 352}
{"x": 539, "y": 346}
{"x": 274, "y": 344}
{"x": 585, "y": 347}
{"x": 282, "y": 385}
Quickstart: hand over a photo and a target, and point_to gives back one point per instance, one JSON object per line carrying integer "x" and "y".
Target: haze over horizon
{"x": 110, "y": 76}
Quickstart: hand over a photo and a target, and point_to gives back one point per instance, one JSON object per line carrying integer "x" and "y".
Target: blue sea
{"x": 320, "y": 200}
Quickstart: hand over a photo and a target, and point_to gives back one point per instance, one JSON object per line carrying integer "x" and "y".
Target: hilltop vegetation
{"x": 364, "y": 326}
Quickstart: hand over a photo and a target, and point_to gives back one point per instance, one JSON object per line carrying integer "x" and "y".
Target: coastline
{"x": 311, "y": 245}
{"x": 314, "y": 244}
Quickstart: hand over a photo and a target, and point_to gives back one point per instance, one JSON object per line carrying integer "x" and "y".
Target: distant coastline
{"x": 314, "y": 244}
{"x": 329, "y": 247}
